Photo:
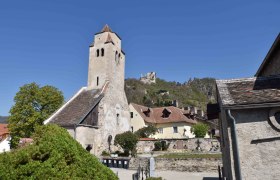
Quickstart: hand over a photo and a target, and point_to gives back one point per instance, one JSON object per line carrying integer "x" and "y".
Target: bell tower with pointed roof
{"x": 106, "y": 60}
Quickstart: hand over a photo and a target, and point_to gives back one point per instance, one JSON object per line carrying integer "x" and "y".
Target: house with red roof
{"x": 172, "y": 122}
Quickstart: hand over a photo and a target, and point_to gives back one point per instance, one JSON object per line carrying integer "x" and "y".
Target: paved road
{"x": 124, "y": 174}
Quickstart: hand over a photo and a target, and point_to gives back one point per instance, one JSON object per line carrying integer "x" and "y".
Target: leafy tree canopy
{"x": 200, "y": 130}
{"x": 146, "y": 132}
{"x": 127, "y": 141}
{"x": 33, "y": 105}
{"x": 54, "y": 154}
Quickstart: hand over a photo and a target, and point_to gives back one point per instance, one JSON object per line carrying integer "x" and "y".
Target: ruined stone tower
{"x": 99, "y": 111}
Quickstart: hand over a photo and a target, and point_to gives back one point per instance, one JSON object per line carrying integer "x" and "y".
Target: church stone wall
{"x": 114, "y": 117}
{"x": 259, "y": 145}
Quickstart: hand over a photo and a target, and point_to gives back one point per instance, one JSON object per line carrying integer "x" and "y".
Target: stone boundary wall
{"x": 175, "y": 164}
{"x": 181, "y": 145}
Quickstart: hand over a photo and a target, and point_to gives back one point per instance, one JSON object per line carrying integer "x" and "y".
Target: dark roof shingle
{"x": 246, "y": 91}
{"x": 77, "y": 108}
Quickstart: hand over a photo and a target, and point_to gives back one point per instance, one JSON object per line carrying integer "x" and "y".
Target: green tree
{"x": 54, "y": 154}
{"x": 33, "y": 105}
{"x": 200, "y": 130}
{"x": 146, "y": 132}
{"x": 127, "y": 141}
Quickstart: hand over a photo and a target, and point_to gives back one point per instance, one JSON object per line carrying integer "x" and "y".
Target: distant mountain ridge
{"x": 3, "y": 119}
{"x": 194, "y": 92}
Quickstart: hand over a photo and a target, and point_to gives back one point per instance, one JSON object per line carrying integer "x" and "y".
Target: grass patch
{"x": 188, "y": 155}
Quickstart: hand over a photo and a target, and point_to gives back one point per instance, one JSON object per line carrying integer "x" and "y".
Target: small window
{"x": 166, "y": 113}
{"x": 97, "y": 81}
{"x": 274, "y": 118}
{"x": 118, "y": 119}
{"x": 116, "y": 55}
{"x": 175, "y": 129}
{"x": 97, "y": 53}
{"x": 102, "y": 52}
{"x": 131, "y": 114}
{"x": 89, "y": 147}
{"x": 131, "y": 128}
{"x": 147, "y": 113}
{"x": 160, "y": 130}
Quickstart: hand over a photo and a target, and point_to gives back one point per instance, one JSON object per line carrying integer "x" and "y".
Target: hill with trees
{"x": 3, "y": 119}
{"x": 195, "y": 92}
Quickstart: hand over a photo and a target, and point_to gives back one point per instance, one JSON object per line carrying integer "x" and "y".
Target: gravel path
{"x": 124, "y": 174}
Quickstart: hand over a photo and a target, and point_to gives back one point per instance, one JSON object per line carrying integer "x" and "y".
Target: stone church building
{"x": 96, "y": 113}
{"x": 250, "y": 121}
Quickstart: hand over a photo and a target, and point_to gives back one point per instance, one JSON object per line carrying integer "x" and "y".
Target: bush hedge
{"x": 54, "y": 154}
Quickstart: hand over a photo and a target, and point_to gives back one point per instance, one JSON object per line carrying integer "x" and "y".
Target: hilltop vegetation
{"x": 3, "y": 119}
{"x": 195, "y": 92}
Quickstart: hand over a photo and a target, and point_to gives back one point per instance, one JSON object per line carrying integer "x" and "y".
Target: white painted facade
{"x": 5, "y": 145}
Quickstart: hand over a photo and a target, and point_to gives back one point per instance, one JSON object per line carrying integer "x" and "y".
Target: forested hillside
{"x": 3, "y": 119}
{"x": 195, "y": 92}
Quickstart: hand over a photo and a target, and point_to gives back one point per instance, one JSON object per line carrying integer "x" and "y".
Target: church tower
{"x": 98, "y": 112}
{"x": 106, "y": 60}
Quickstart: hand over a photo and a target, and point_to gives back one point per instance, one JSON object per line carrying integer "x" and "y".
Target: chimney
{"x": 187, "y": 108}
{"x": 194, "y": 110}
{"x": 200, "y": 113}
{"x": 175, "y": 103}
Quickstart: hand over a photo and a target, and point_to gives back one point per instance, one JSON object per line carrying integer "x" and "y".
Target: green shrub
{"x": 157, "y": 146}
{"x": 164, "y": 145}
{"x": 146, "y": 132}
{"x": 105, "y": 153}
{"x": 154, "y": 178}
{"x": 161, "y": 146}
{"x": 127, "y": 141}
{"x": 54, "y": 154}
{"x": 200, "y": 130}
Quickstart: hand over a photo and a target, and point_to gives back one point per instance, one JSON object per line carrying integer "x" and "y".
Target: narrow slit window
{"x": 118, "y": 119}
{"x": 97, "y": 81}
{"x": 116, "y": 55}
{"x": 102, "y": 52}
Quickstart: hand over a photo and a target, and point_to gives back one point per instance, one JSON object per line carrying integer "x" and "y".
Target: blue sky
{"x": 47, "y": 42}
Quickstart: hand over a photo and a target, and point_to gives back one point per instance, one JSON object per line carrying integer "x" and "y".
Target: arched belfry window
{"x": 119, "y": 56}
{"x": 97, "y": 53}
{"x": 102, "y": 52}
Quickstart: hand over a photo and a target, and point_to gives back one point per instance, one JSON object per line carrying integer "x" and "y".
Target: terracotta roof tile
{"x": 4, "y": 129}
{"x": 156, "y": 114}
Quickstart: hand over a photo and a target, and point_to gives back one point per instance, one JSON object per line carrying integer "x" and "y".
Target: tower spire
{"x": 106, "y": 28}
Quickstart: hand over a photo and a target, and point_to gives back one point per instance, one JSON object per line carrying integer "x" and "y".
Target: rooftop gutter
{"x": 235, "y": 149}
{"x": 251, "y": 106}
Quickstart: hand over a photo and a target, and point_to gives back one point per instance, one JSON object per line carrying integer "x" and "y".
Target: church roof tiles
{"x": 77, "y": 108}
{"x": 249, "y": 91}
